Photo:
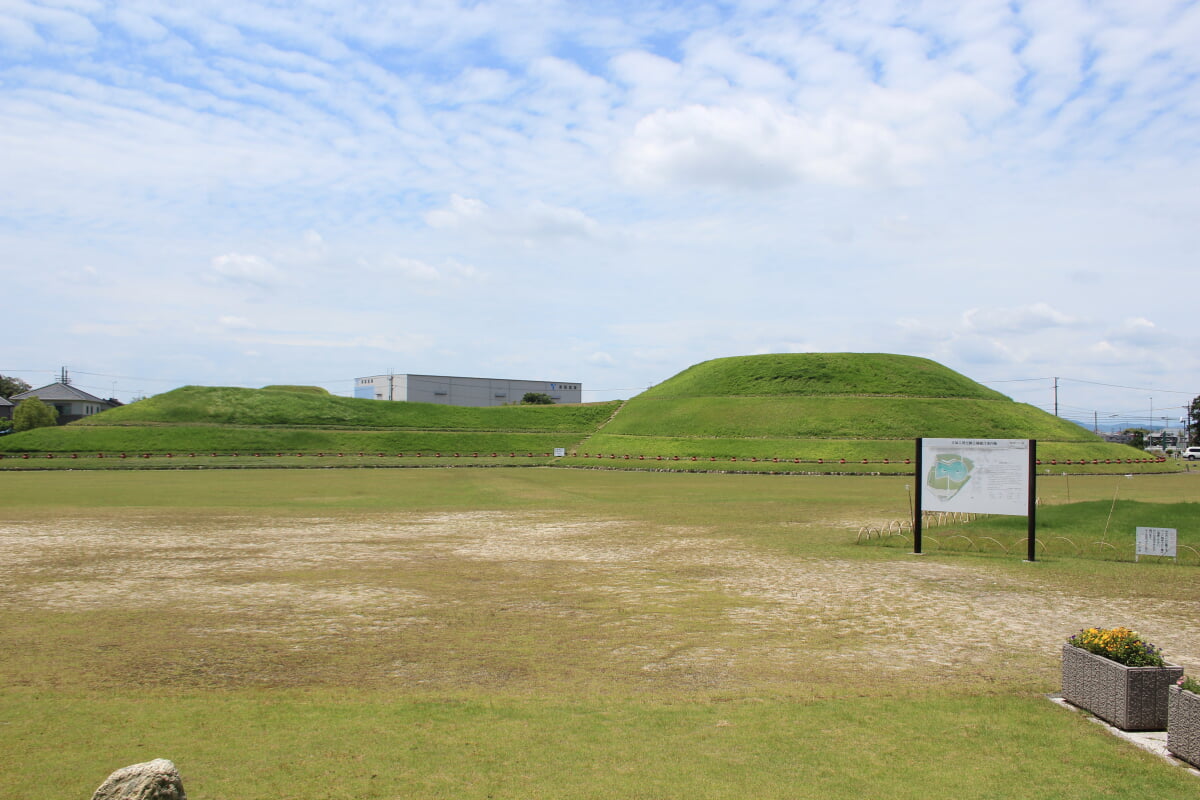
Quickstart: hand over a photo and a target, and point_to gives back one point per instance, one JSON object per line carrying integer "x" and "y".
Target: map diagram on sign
{"x": 948, "y": 475}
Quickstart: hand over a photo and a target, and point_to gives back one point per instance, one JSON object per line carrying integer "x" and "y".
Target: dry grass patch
{"x": 520, "y": 602}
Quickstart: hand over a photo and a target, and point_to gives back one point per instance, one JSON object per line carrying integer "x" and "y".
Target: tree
{"x": 1137, "y": 438}
{"x": 1194, "y": 423}
{"x": 537, "y": 399}
{"x": 33, "y": 413}
{"x": 10, "y": 386}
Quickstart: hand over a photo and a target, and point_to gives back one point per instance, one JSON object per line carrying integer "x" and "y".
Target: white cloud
{"x": 759, "y": 146}
{"x": 411, "y": 268}
{"x": 235, "y": 323}
{"x": 414, "y": 270}
{"x": 461, "y": 210}
{"x": 18, "y": 35}
{"x": 601, "y": 359}
{"x": 1138, "y": 332}
{"x": 1021, "y": 320}
{"x": 535, "y": 222}
{"x": 142, "y": 26}
{"x": 247, "y": 269}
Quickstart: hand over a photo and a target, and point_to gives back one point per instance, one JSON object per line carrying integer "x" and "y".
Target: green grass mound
{"x": 842, "y": 409}
{"x": 821, "y": 374}
{"x": 224, "y": 405}
{"x": 299, "y": 419}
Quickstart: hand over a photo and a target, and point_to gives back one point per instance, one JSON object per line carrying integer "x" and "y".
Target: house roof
{"x": 57, "y": 392}
{"x": 4, "y": 401}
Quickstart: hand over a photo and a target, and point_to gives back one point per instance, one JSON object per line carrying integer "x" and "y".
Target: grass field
{"x": 556, "y": 634}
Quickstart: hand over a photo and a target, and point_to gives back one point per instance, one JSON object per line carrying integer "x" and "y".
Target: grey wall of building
{"x": 462, "y": 391}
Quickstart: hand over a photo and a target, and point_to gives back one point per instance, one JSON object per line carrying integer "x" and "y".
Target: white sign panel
{"x": 981, "y": 476}
{"x": 1156, "y": 542}
{"x": 559, "y": 452}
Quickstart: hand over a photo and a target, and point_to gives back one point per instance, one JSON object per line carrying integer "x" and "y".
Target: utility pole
{"x": 1056, "y": 397}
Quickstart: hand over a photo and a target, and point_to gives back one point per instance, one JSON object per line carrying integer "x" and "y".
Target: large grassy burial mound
{"x": 830, "y": 407}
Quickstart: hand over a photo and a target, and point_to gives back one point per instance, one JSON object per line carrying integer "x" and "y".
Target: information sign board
{"x": 1155, "y": 542}
{"x": 981, "y": 476}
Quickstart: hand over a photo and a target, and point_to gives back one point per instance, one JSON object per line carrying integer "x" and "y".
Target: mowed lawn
{"x": 539, "y": 633}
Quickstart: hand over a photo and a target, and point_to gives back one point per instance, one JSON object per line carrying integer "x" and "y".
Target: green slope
{"x": 839, "y": 418}
{"x": 829, "y": 406}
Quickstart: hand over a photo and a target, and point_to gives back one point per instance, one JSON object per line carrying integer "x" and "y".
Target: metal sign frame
{"x": 960, "y": 473}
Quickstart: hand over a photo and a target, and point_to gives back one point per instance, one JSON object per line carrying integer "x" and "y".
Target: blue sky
{"x": 254, "y": 193}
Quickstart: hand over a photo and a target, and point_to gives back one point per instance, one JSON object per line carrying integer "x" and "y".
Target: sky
{"x": 255, "y": 193}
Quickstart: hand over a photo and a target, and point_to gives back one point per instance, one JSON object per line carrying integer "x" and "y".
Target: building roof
{"x": 58, "y": 392}
{"x": 4, "y": 401}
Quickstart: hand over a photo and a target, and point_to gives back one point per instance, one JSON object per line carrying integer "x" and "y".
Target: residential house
{"x": 70, "y": 402}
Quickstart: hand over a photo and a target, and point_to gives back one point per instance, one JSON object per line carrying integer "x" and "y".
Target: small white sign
{"x": 559, "y": 452}
{"x": 1155, "y": 542}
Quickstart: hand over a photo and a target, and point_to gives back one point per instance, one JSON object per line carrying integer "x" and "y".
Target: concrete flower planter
{"x": 1130, "y": 698}
{"x": 1183, "y": 725}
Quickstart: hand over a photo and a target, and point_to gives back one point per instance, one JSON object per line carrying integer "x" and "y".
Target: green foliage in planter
{"x": 1189, "y": 684}
{"x": 1119, "y": 644}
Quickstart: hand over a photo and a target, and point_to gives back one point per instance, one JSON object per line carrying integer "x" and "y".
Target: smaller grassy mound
{"x": 281, "y": 419}
{"x": 223, "y": 405}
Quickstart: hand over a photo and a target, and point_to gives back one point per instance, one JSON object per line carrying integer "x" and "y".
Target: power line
{"x": 1132, "y": 388}
{"x": 1094, "y": 383}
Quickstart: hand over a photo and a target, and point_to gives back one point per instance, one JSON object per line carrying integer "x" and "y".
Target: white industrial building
{"x": 454, "y": 391}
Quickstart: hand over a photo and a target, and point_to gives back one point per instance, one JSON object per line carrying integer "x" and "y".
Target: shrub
{"x": 33, "y": 413}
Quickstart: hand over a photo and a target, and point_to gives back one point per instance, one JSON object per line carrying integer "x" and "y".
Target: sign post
{"x": 981, "y": 476}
